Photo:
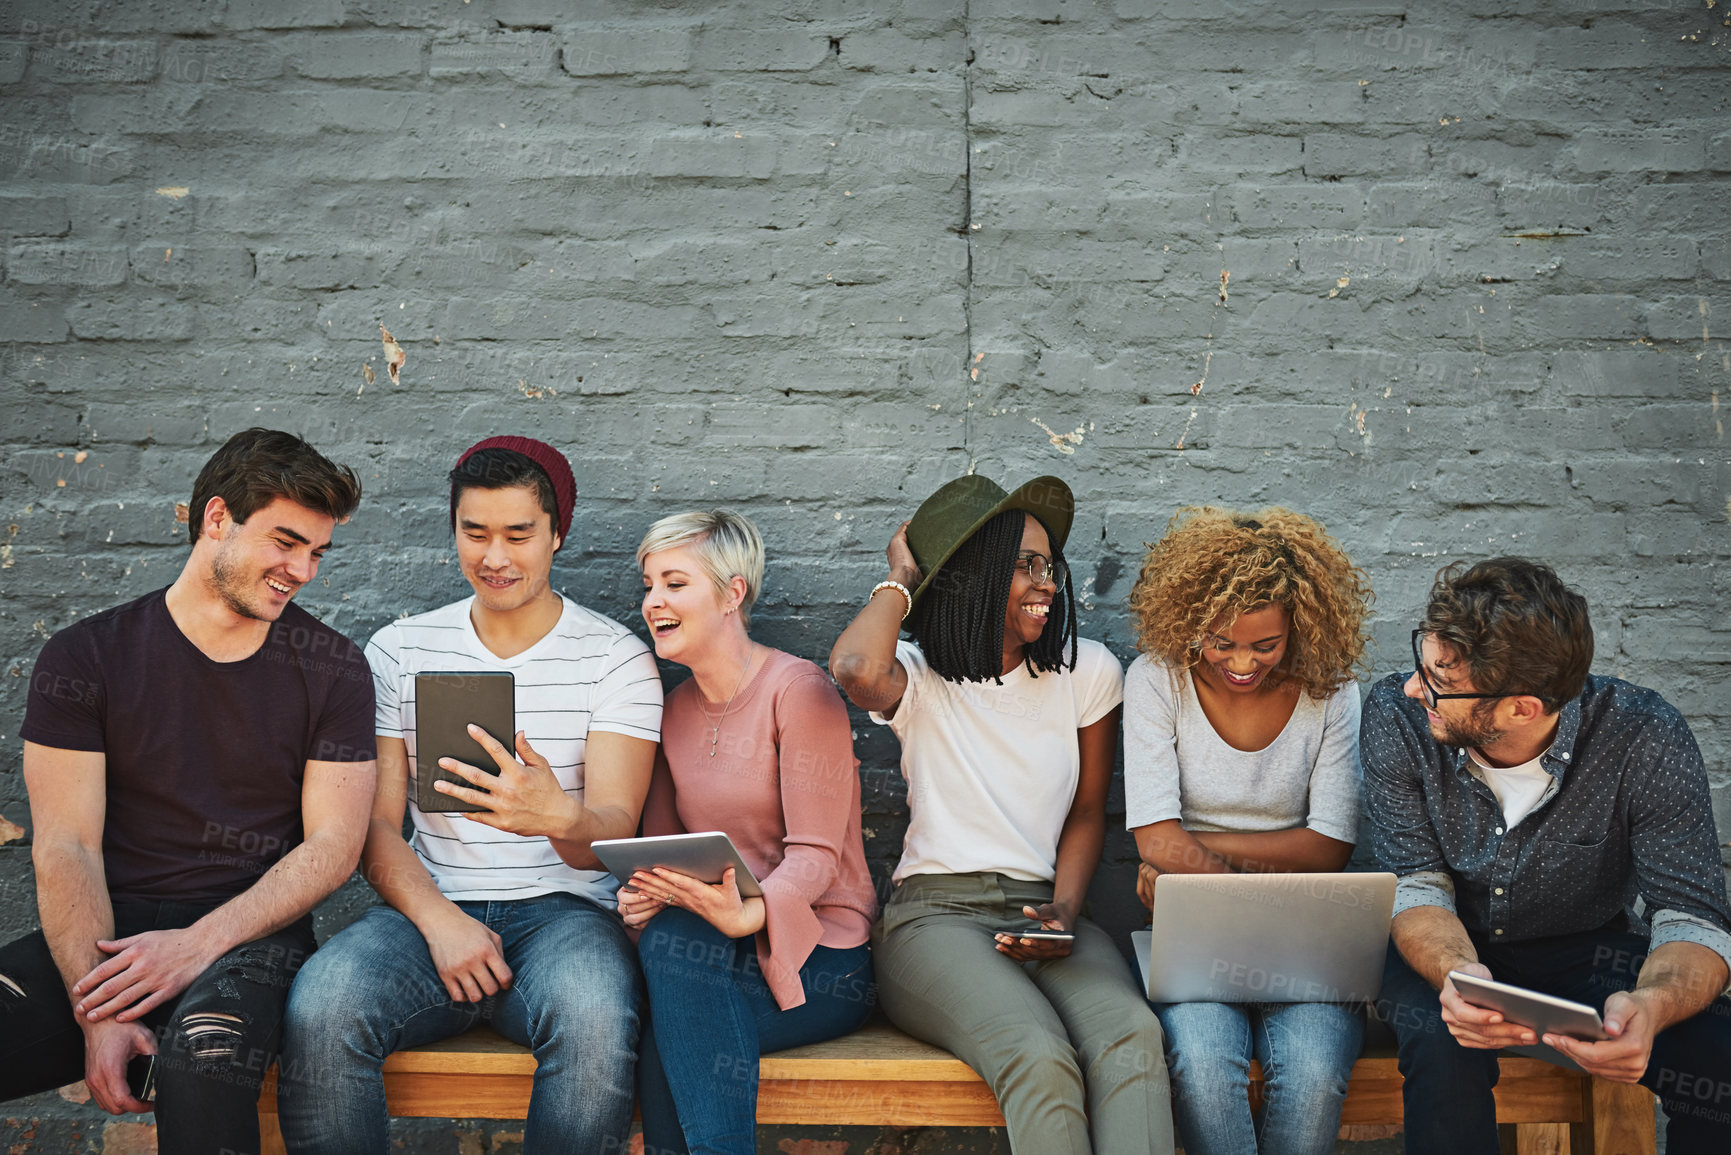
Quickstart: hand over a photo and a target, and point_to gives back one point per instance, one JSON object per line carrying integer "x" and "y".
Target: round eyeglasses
{"x": 1042, "y": 569}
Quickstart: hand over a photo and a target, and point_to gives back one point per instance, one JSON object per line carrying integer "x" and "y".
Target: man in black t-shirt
{"x": 200, "y": 769}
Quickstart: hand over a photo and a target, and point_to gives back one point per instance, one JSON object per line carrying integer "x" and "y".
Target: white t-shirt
{"x": 1177, "y": 766}
{"x": 992, "y": 770}
{"x": 1519, "y": 789}
{"x": 588, "y": 673}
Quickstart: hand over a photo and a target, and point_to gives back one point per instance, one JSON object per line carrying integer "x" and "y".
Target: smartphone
{"x": 1542, "y": 1013}
{"x": 446, "y": 703}
{"x": 1036, "y": 933}
{"x": 141, "y": 1078}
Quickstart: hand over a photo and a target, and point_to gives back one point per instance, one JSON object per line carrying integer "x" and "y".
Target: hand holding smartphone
{"x": 1035, "y": 934}
{"x": 141, "y": 1077}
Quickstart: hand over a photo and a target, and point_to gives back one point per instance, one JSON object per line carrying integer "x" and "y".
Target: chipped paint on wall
{"x": 395, "y": 358}
{"x": 1064, "y": 442}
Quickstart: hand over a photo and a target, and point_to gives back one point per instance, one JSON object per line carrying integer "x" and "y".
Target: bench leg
{"x": 1543, "y": 1139}
{"x": 1618, "y": 1119}
{"x": 269, "y": 1132}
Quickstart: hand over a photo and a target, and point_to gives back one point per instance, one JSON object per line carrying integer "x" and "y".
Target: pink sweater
{"x": 784, "y": 785}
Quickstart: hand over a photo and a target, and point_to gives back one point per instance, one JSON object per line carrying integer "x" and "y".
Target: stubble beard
{"x": 1469, "y": 733}
{"x": 227, "y": 583}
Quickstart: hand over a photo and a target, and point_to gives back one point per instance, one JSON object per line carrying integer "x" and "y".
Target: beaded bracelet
{"x": 899, "y": 588}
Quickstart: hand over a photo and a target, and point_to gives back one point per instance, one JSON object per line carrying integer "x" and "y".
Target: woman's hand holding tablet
{"x": 719, "y": 904}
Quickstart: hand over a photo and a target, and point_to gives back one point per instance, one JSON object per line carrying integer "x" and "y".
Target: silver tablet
{"x": 1545, "y": 1014}
{"x": 703, "y": 856}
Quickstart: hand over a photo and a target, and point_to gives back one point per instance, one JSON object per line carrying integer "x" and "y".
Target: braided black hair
{"x": 959, "y": 623}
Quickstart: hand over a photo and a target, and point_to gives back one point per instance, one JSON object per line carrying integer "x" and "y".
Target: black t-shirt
{"x": 204, "y": 759}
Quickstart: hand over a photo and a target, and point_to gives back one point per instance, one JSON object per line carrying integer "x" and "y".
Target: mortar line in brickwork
{"x": 968, "y": 214}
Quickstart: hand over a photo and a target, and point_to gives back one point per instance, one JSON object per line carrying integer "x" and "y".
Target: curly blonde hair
{"x": 1214, "y": 564}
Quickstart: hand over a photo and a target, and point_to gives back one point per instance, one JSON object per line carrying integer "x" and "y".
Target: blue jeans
{"x": 1449, "y": 1108}
{"x": 713, "y": 1015}
{"x": 1306, "y": 1050}
{"x": 574, "y": 1001}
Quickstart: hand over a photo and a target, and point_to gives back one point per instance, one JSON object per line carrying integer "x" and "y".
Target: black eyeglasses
{"x": 1043, "y": 569}
{"x": 1431, "y": 697}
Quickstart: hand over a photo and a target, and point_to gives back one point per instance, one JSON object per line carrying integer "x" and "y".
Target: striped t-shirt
{"x": 587, "y": 673}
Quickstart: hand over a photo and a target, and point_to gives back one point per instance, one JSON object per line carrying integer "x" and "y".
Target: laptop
{"x": 1266, "y": 938}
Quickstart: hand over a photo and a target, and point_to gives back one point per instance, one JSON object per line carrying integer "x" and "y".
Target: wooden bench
{"x": 879, "y": 1076}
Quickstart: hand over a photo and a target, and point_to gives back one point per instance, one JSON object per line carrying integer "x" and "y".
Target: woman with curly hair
{"x": 1008, "y": 723}
{"x": 1241, "y": 754}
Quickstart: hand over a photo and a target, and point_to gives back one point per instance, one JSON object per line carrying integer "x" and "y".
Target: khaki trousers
{"x": 1069, "y": 1046}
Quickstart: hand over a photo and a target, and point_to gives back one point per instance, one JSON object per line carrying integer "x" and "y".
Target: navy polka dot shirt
{"x": 1630, "y": 815}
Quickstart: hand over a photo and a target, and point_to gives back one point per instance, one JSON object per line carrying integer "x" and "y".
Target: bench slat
{"x": 879, "y": 1076}
{"x": 878, "y": 1103}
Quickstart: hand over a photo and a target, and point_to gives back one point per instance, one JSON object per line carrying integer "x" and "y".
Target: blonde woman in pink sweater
{"x": 755, "y": 743}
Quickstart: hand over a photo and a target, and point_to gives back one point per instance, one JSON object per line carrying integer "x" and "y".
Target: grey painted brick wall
{"x": 1454, "y": 277}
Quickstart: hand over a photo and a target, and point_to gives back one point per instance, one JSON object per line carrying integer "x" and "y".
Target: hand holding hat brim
{"x": 953, "y": 514}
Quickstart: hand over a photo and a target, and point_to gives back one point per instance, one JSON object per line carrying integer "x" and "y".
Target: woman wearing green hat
{"x": 1008, "y": 724}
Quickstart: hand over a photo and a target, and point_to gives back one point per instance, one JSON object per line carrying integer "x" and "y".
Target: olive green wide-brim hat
{"x": 953, "y": 514}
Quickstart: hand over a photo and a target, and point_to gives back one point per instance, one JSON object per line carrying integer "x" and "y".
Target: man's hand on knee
{"x": 470, "y": 957}
{"x": 1479, "y": 1027}
{"x": 145, "y": 970}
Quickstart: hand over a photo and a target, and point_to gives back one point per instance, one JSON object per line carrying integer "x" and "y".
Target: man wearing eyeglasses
{"x": 1525, "y": 804}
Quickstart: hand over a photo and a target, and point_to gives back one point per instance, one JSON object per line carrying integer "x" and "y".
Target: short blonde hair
{"x": 727, "y": 545}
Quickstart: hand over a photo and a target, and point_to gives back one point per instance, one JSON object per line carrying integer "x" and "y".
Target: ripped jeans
{"x": 214, "y": 1043}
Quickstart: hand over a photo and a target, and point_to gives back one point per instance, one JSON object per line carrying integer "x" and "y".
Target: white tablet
{"x": 1545, "y": 1014}
{"x": 703, "y": 856}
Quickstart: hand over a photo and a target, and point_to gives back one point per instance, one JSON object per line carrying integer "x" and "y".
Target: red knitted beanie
{"x": 552, "y": 463}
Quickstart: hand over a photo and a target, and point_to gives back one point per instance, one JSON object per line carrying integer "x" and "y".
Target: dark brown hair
{"x": 1516, "y": 626}
{"x": 255, "y": 467}
{"x": 503, "y": 469}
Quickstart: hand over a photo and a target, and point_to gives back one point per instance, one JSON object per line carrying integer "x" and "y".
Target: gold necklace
{"x": 715, "y": 728}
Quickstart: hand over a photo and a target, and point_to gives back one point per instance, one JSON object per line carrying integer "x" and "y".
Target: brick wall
{"x": 1453, "y": 277}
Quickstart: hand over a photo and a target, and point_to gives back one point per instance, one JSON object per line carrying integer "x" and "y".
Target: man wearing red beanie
{"x": 503, "y": 914}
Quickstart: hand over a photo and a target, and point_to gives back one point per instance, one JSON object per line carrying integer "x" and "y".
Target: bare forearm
{"x": 863, "y": 659}
{"x": 396, "y": 872}
{"x": 1079, "y": 846}
{"x": 1276, "y": 850}
{"x": 1678, "y": 980}
{"x": 299, "y": 881}
{"x": 589, "y": 825}
{"x": 72, "y": 895}
{"x": 1171, "y": 849}
{"x": 1433, "y": 942}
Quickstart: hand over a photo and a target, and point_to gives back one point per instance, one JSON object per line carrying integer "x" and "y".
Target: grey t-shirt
{"x": 1177, "y": 766}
